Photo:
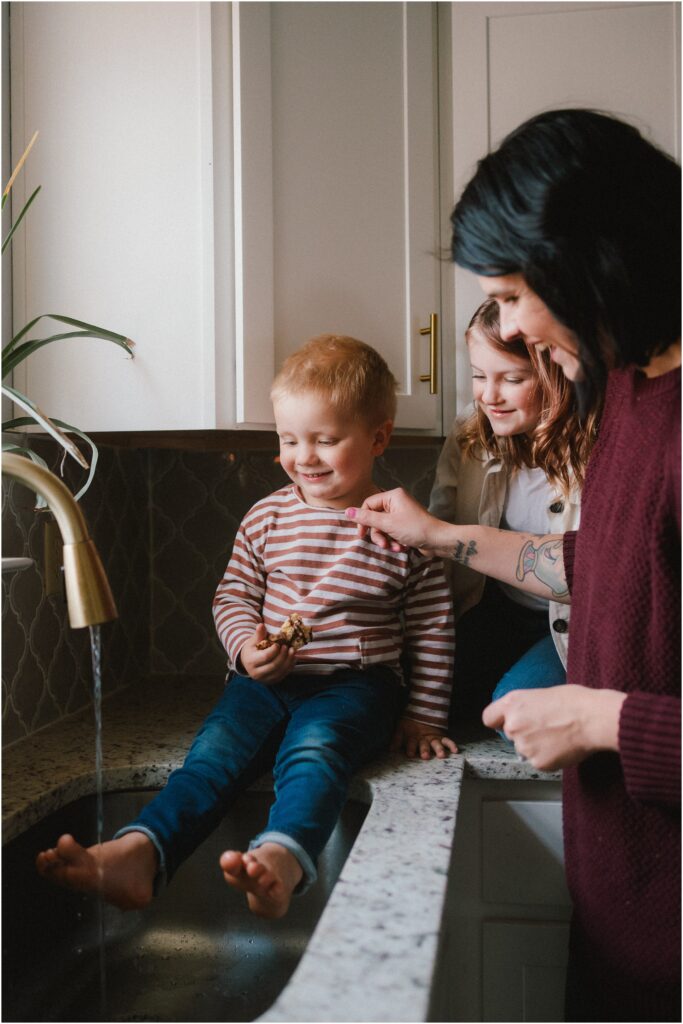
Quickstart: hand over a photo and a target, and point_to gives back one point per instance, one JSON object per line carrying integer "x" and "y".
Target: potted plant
{"x": 21, "y": 346}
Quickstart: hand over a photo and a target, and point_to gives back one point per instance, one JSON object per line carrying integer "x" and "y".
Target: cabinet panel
{"x": 349, "y": 170}
{"x": 506, "y": 921}
{"x": 121, "y": 234}
{"x": 513, "y": 60}
{"x": 523, "y": 970}
{"x": 221, "y": 182}
{"x": 627, "y": 57}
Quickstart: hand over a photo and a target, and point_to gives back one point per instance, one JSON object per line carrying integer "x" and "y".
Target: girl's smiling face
{"x": 329, "y": 456}
{"x": 505, "y": 387}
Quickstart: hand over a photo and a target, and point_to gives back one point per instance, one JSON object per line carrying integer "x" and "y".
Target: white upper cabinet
{"x": 221, "y": 183}
{"x": 121, "y": 234}
{"x": 336, "y": 189}
{"x": 513, "y": 60}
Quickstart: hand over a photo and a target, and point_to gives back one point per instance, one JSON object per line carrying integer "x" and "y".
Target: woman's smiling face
{"x": 524, "y": 314}
{"x": 505, "y": 387}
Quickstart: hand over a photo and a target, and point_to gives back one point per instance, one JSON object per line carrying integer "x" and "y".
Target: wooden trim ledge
{"x": 224, "y": 440}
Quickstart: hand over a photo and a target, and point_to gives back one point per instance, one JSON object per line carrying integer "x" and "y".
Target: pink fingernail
{"x": 351, "y": 513}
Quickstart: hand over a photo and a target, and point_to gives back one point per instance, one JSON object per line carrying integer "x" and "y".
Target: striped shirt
{"x": 366, "y": 605}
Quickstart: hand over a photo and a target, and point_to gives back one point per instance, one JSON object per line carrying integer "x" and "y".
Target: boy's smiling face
{"x": 329, "y": 456}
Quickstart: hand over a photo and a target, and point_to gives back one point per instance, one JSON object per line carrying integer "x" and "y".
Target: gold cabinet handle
{"x": 433, "y": 332}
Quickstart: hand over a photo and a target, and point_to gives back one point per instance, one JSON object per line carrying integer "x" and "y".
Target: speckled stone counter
{"x": 373, "y": 953}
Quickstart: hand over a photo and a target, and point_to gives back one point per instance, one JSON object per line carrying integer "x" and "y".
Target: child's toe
{"x": 232, "y": 862}
{"x": 255, "y": 869}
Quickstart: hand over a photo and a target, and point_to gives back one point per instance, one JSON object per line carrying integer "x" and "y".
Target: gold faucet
{"x": 88, "y": 595}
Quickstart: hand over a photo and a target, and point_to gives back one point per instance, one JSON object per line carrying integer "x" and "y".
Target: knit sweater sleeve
{"x": 568, "y": 552}
{"x": 428, "y": 625}
{"x": 650, "y": 747}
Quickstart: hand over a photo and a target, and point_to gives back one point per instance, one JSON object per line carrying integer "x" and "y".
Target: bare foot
{"x": 122, "y": 870}
{"x": 268, "y": 875}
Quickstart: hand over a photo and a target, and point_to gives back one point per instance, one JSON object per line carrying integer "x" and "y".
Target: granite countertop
{"x": 373, "y": 952}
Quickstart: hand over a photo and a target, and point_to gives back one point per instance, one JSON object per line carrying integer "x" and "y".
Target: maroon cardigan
{"x": 622, "y": 811}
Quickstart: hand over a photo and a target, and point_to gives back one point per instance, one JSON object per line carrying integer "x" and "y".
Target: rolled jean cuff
{"x": 160, "y": 877}
{"x": 310, "y": 874}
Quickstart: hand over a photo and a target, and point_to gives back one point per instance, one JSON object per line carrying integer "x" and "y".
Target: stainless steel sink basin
{"x": 196, "y": 954}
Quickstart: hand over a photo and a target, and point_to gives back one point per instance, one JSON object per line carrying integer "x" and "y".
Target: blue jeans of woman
{"x": 315, "y": 732}
{"x": 500, "y": 646}
{"x": 539, "y": 667}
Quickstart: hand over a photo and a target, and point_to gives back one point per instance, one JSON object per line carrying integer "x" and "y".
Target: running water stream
{"x": 96, "y": 649}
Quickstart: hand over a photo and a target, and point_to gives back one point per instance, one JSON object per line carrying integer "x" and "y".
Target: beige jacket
{"x": 469, "y": 491}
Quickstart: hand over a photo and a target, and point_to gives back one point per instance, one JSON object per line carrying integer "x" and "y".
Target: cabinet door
{"x": 121, "y": 234}
{"x": 513, "y": 60}
{"x": 336, "y": 185}
{"x": 523, "y": 970}
{"x": 506, "y": 921}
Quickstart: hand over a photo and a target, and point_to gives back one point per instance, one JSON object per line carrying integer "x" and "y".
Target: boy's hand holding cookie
{"x": 267, "y": 664}
{"x": 422, "y": 741}
{"x": 268, "y": 658}
{"x": 293, "y": 633}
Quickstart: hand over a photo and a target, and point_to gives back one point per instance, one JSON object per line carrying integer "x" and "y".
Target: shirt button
{"x": 560, "y": 625}
{"x": 557, "y": 506}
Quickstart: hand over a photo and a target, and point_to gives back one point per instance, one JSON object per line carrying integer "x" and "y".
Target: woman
{"x": 516, "y": 459}
{"x": 572, "y": 225}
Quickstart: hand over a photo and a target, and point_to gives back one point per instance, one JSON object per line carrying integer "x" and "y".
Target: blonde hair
{"x": 351, "y": 375}
{"x": 560, "y": 443}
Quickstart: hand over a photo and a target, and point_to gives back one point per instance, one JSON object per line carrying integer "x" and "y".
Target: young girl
{"x": 514, "y": 460}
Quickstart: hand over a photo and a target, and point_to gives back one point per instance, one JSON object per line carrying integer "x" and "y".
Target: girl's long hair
{"x": 560, "y": 443}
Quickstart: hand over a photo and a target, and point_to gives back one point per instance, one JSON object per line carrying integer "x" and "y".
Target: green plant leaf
{"x": 90, "y": 329}
{"x": 19, "y": 219}
{"x": 17, "y": 337}
{"x": 45, "y": 422}
{"x": 14, "y": 353}
{"x": 24, "y": 350}
{"x": 18, "y": 421}
{"x": 9, "y": 446}
{"x": 94, "y": 454}
{"x": 28, "y": 421}
{"x": 21, "y": 352}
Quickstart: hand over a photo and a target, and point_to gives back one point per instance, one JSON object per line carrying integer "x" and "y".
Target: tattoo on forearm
{"x": 547, "y": 565}
{"x": 463, "y": 552}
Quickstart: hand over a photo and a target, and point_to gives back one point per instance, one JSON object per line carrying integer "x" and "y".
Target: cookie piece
{"x": 293, "y": 633}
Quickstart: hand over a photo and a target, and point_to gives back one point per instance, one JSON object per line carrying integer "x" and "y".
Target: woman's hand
{"x": 395, "y": 520}
{"x": 269, "y": 665}
{"x": 420, "y": 740}
{"x": 558, "y": 726}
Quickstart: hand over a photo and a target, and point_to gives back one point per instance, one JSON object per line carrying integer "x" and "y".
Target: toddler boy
{"x": 314, "y": 713}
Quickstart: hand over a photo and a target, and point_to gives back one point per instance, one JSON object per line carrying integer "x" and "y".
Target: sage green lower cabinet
{"x": 506, "y": 924}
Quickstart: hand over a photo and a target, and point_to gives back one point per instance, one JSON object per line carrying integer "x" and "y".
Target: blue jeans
{"x": 539, "y": 667}
{"x": 314, "y": 732}
{"x": 500, "y": 645}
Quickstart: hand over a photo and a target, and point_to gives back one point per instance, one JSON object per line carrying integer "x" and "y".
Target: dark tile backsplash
{"x": 164, "y": 522}
{"x": 46, "y": 668}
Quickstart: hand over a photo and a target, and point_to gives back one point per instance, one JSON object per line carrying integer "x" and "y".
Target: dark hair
{"x": 588, "y": 212}
{"x": 558, "y": 443}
